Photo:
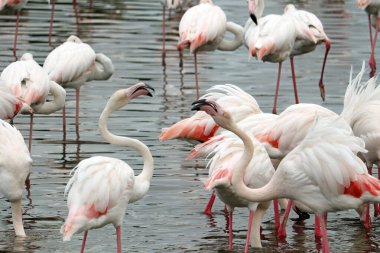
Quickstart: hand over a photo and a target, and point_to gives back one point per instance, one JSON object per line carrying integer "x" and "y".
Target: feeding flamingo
{"x": 102, "y": 187}
{"x": 273, "y": 37}
{"x": 372, "y": 7}
{"x": 15, "y": 166}
{"x": 323, "y": 173}
{"x": 202, "y": 28}
{"x": 72, "y": 64}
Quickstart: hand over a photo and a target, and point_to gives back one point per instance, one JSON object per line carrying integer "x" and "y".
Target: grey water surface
{"x": 169, "y": 218}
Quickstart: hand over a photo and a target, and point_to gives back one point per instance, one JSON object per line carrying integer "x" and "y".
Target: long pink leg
{"x": 51, "y": 21}
{"x": 366, "y": 217}
{"x": 321, "y": 85}
{"x": 282, "y": 229}
{"x": 118, "y": 239}
{"x": 276, "y": 214}
{"x": 163, "y": 36}
{"x": 75, "y": 7}
{"x": 317, "y": 227}
{"x": 294, "y": 79}
{"x": 230, "y": 235}
{"x": 77, "y": 113}
{"x": 372, "y": 61}
{"x": 249, "y": 231}
{"x": 274, "y": 111}
{"x": 370, "y": 30}
{"x": 16, "y": 32}
{"x": 84, "y": 241}
{"x": 196, "y": 74}
{"x": 325, "y": 247}
{"x": 210, "y": 203}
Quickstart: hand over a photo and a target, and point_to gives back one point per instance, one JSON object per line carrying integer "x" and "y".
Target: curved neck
{"x": 142, "y": 181}
{"x": 260, "y": 9}
{"x": 264, "y": 193}
{"x": 103, "y": 68}
{"x": 230, "y": 45}
{"x": 58, "y": 102}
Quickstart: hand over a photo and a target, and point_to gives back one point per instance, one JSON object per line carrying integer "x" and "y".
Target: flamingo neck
{"x": 142, "y": 181}
{"x": 58, "y": 102}
{"x": 260, "y": 9}
{"x": 230, "y": 45}
{"x": 103, "y": 68}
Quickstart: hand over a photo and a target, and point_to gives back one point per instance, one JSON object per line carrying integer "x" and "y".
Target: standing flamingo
{"x": 72, "y": 64}
{"x": 15, "y": 166}
{"x": 273, "y": 38}
{"x": 102, "y": 187}
{"x": 258, "y": 173}
{"x": 202, "y": 28}
{"x": 303, "y": 46}
{"x": 17, "y": 5}
{"x": 372, "y": 7}
{"x": 323, "y": 173}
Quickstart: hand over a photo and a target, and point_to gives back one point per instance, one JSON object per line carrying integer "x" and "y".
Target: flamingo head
{"x": 212, "y": 108}
{"x": 121, "y": 97}
{"x": 255, "y": 9}
{"x": 74, "y": 39}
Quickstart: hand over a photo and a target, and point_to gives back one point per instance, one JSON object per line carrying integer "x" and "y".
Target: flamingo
{"x": 273, "y": 37}
{"x": 303, "y": 46}
{"x": 372, "y": 7}
{"x": 72, "y": 64}
{"x": 258, "y": 173}
{"x": 202, "y": 28}
{"x": 323, "y": 173}
{"x": 17, "y": 5}
{"x": 102, "y": 187}
{"x": 15, "y": 166}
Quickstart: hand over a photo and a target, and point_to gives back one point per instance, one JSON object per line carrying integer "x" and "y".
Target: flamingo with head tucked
{"x": 102, "y": 187}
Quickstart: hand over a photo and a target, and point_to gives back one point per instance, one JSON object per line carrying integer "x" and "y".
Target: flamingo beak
{"x": 253, "y": 17}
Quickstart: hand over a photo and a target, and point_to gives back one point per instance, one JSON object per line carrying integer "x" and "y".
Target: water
{"x": 169, "y": 218}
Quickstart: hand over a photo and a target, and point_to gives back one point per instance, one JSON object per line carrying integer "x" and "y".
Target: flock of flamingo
{"x": 307, "y": 158}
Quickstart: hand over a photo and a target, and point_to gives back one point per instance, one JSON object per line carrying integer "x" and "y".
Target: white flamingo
{"x": 102, "y": 187}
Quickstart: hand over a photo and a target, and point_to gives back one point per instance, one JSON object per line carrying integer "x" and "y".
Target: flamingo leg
{"x": 321, "y": 85}
{"x": 64, "y": 122}
{"x": 366, "y": 217}
{"x": 77, "y": 113}
{"x": 196, "y": 74}
{"x": 282, "y": 229}
{"x": 163, "y": 36}
{"x": 51, "y": 21}
{"x": 230, "y": 235}
{"x": 317, "y": 227}
{"x": 209, "y": 205}
{"x": 377, "y": 205}
{"x": 118, "y": 239}
{"x": 325, "y": 247}
{"x": 16, "y": 32}
{"x": 84, "y": 241}
{"x": 370, "y": 29}
{"x": 276, "y": 214}
{"x": 274, "y": 111}
{"x": 250, "y": 220}
{"x": 294, "y": 79}
{"x": 75, "y": 7}
{"x": 372, "y": 61}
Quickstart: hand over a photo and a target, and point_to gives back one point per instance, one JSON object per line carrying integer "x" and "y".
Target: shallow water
{"x": 169, "y": 218}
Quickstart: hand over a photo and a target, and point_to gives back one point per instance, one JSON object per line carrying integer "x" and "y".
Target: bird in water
{"x": 101, "y": 187}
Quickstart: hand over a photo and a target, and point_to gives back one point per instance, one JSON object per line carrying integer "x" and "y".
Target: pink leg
{"x": 282, "y": 229}
{"x": 75, "y": 7}
{"x": 317, "y": 227}
{"x": 64, "y": 122}
{"x": 77, "y": 114}
{"x": 16, "y": 32}
{"x": 209, "y": 205}
{"x": 294, "y": 79}
{"x": 321, "y": 85}
{"x": 118, "y": 239}
{"x": 276, "y": 214}
{"x": 325, "y": 247}
{"x": 274, "y": 111}
{"x": 84, "y": 241}
{"x": 372, "y": 61}
{"x": 51, "y": 21}
{"x": 249, "y": 231}
{"x": 366, "y": 217}
{"x": 230, "y": 235}
{"x": 196, "y": 74}
{"x": 163, "y": 36}
{"x": 370, "y": 30}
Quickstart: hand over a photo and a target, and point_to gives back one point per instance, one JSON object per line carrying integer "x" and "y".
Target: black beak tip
{"x": 149, "y": 94}
{"x": 199, "y": 101}
{"x": 253, "y": 17}
{"x": 149, "y": 87}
